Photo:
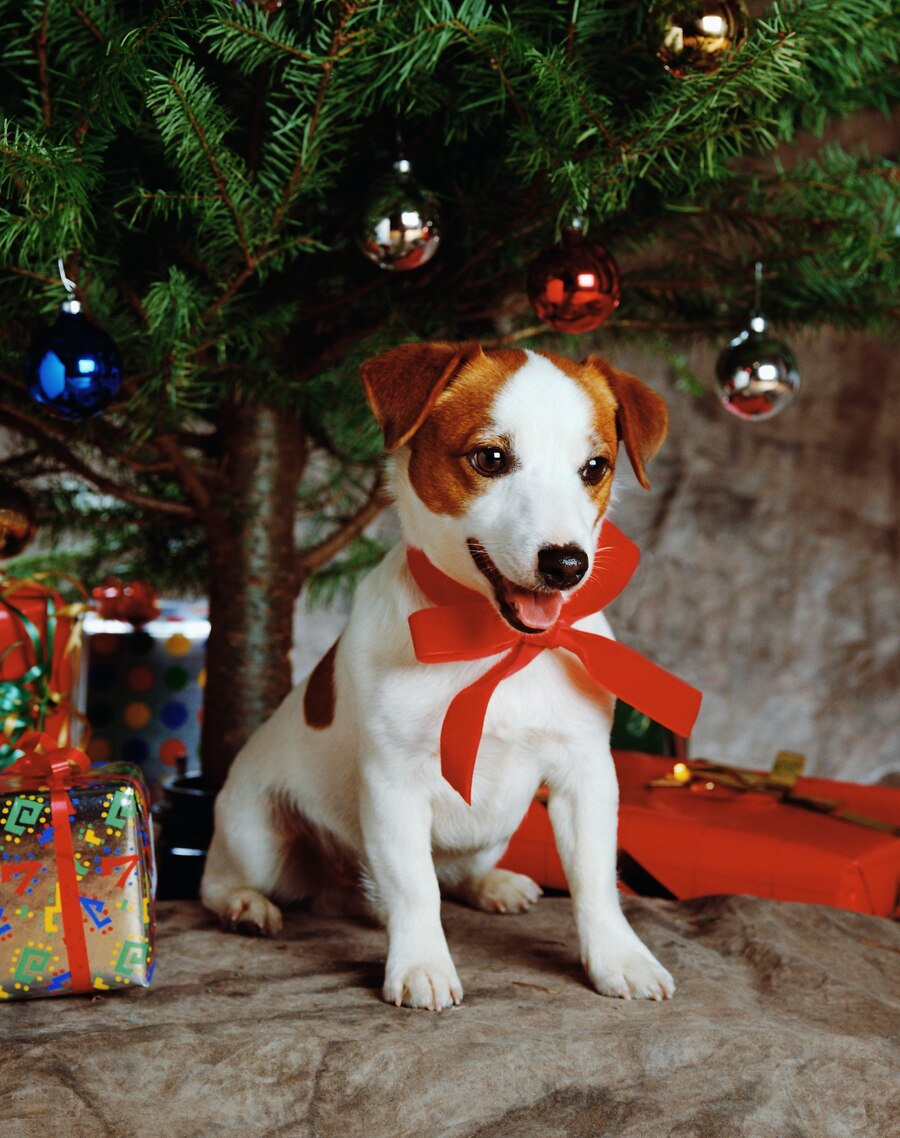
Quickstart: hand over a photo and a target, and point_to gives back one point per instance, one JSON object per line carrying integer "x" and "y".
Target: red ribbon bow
{"x": 45, "y": 760}
{"x": 464, "y": 625}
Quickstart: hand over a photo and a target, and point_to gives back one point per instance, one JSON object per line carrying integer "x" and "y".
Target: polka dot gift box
{"x": 76, "y": 874}
{"x": 142, "y": 689}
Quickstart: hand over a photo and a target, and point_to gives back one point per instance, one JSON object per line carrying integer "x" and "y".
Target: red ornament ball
{"x": 574, "y": 287}
{"x": 17, "y": 521}
{"x": 133, "y": 602}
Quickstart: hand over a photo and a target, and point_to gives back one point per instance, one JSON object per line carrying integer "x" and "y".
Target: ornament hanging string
{"x": 68, "y": 284}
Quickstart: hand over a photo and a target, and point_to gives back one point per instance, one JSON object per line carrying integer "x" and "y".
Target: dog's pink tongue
{"x": 535, "y": 610}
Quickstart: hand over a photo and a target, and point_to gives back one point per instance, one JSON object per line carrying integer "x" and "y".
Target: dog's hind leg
{"x": 244, "y": 864}
{"x": 476, "y": 881}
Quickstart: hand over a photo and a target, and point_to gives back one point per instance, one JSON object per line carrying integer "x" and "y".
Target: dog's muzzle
{"x": 560, "y": 567}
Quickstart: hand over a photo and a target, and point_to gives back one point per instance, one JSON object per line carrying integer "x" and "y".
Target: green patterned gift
{"x": 76, "y": 874}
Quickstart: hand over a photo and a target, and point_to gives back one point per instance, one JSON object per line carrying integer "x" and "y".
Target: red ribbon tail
{"x": 69, "y": 900}
{"x": 632, "y": 677}
{"x": 464, "y": 721}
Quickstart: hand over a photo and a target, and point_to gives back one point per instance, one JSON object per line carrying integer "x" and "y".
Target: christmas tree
{"x": 205, "y": 170}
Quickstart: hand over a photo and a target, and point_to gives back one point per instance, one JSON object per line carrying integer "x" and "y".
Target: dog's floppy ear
{"x": 641, "y": 416}
{"x": 403, "y": 384}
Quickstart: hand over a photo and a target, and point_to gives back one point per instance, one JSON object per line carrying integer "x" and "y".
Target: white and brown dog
{"x": 501, "y": 467}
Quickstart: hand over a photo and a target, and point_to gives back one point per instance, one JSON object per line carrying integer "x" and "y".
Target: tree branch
{"x": 309, "y": 560}
{"x": 43, "y": 77}
{"x": 88, "y": 23}
{"x": 55, "y": 443}
{"x": 187, "y": 472}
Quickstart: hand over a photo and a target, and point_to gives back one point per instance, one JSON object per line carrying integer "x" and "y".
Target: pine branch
{"x": 120, "y": 65}
{"x": 218, "y": 175}
{"x": 336, "y": 49}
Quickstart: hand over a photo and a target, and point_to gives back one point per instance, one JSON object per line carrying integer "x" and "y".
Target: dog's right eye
{"x": 489, "y": 461}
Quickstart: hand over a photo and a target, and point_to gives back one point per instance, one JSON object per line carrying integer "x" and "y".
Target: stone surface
{"x": 786, "y": 1024}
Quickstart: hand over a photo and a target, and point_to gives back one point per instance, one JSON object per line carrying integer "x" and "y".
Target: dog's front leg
{"x": 396, "y": 822}
{"x": 584, "y": 819}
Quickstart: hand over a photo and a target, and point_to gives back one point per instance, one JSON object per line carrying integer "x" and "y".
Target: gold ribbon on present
{"x": 27, "y": 700}
{"x": 779, "y": 782}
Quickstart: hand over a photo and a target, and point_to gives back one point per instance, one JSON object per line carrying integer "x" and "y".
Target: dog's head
{"x": 504, "y": 462}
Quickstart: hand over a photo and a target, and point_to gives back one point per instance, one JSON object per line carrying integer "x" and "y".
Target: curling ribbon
{"x": 26, "y": 700}
{"x": 779, "y": 782}
{"x": 45, "y": 761}
{"x": 464, "y": 625}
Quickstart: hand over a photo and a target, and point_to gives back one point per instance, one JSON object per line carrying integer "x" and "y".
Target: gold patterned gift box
{"x": 76, "y": 875}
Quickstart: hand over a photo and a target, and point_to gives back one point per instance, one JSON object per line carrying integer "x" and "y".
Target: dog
{"x": 501, "y": 465}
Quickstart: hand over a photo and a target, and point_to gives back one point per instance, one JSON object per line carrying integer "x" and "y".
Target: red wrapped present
{"x": 39, "y": 655}
{"x": 76, "y": 874}
{"x": 699, "y": 828}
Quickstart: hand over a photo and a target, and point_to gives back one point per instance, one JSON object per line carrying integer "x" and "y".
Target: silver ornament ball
{"x": 400, "y": 226}
{"x": 756, "y": 374}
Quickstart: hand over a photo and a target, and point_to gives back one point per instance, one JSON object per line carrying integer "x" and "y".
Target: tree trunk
{"x": 252, "y": 578}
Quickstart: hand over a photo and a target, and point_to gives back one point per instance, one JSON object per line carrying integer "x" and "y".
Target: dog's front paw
{"x": 629, "y": 970}
{"x": 428, "y": 985}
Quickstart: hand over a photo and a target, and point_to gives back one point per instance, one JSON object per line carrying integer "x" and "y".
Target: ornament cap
{"x": 574, "y": 234}
{"x": 71, "y": 307}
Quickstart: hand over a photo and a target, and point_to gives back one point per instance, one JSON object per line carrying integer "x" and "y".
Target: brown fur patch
{"x": 641, "y": 414}
{"x": 319, "y": 698}
{"x": 403, "y": 384}
{"x": 438, "y": 469}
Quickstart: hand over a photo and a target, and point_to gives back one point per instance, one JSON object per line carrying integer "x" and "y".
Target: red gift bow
{"x": 45, "y": 760}
{"x": 464, "y": 625}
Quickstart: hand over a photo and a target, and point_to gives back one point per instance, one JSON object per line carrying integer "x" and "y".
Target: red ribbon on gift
{"x": 464, "y": 625}
{"x": 54, "y": 766}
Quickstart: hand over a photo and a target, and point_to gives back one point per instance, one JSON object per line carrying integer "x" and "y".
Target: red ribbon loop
{"x": 45, "y": 758}
{"x": 464, "y": 625}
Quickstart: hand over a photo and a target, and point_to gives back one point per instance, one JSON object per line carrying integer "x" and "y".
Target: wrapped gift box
{"x": 142, "y": 689}
{"x": 76, "y": 879}
{"x": 39, "y": 658}
{"x": 706, "y": 838}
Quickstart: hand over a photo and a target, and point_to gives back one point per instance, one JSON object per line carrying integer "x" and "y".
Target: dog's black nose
{"x": 562, "y": 566}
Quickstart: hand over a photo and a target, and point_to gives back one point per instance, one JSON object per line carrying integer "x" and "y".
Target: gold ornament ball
{"x": 17, "y": 521}
{"x": 691, "y": 37}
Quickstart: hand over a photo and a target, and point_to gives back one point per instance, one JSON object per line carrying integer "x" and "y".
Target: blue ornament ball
{"x": 73, "y": 369}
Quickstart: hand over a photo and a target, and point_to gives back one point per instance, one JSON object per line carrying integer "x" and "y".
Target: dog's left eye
{"x": 595, "y": 470}
{"x": 490, "y": 461}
